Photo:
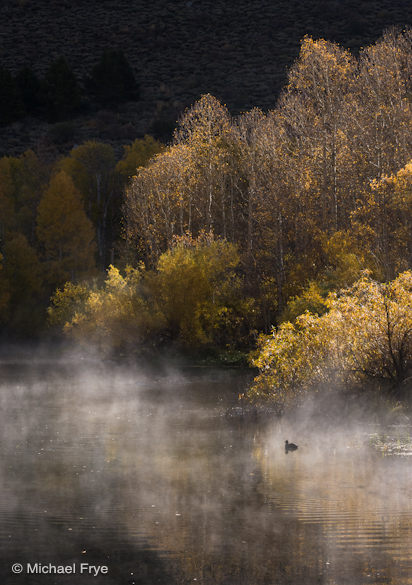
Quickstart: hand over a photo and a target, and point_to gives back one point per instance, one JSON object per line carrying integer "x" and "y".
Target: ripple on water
{"x": 220, "y": 502}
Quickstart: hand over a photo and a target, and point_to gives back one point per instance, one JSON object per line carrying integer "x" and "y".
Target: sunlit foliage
{"x": 193, "y": 299}
{"x": 366, "y": 335}
{"x": 300, "y": 199}
{"x": 113, "y": 316}
{"x": 200, "y": 293}
{"x": 384, "y": 222}
{"x": 66, "y": 302}
{"x": 292, "y": 187}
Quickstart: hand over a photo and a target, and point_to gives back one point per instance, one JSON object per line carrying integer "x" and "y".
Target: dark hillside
{"x": 238, "y": 51}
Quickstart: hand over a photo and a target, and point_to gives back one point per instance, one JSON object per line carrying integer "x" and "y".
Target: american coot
{"x": 290, "y": 446}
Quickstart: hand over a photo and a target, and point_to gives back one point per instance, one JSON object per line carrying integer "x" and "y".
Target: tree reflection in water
{"x": 147, "y": 475}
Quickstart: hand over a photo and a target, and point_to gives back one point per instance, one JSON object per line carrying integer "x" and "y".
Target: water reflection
{"x": 147, "y": 475}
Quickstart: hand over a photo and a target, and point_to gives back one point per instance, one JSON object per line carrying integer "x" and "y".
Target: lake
{"x": 156, "y": 475}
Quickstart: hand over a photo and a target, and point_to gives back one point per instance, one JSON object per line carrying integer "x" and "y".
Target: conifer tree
{"x": 11, "y": 105}
{"x": 112, "y": 80}
{"x": 61, "y": 91}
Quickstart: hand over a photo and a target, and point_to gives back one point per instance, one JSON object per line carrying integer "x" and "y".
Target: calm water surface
{"x": 156, "y": 477}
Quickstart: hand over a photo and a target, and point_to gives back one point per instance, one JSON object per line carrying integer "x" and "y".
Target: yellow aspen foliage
{"x": 91, "y": 167}
{"x": 383, "y": 222}
{"x": 203, "y": 123}
{"x": 382, "y": 107}
{"x": 65, "y": 232}
{"x": 137, "y": 155}
{"x": 312, "y": 299}
{"x": 185, "y": 188}
{"x": 158, "y": 205}
{"x": 304, "y": 191}
{"x": 292, "y": 188}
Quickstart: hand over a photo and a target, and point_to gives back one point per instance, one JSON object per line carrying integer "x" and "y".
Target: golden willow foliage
{"x": 115, "y": 315}
{"x": 281, "y": 185}
{"x": 366, "y": 334}
{"x": 193, "y": 298}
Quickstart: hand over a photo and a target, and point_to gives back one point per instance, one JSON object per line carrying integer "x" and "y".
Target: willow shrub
{"x": 366, "y": 334}
{"x": 194, "y": 299}
{"x": 112, "y": 316}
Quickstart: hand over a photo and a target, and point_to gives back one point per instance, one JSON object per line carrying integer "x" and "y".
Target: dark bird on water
{"x": 290, "y": 446}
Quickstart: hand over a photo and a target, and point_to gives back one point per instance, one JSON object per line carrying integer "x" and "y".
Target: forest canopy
{"x": 241, "y": 224}
{"x": 316, "y": 190}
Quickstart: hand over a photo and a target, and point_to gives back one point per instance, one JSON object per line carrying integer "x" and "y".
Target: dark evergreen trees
{"x": 61, "y": 91}
{"x": 112, "y": 80}
{"x": 29, "y": 88}
{"x": 11, "y": 105}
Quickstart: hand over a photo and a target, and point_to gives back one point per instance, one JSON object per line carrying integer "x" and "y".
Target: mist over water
{"x": 155, "y": 473}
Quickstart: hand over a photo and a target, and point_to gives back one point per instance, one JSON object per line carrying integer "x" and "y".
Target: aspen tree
{"x": 65, "y": 232}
